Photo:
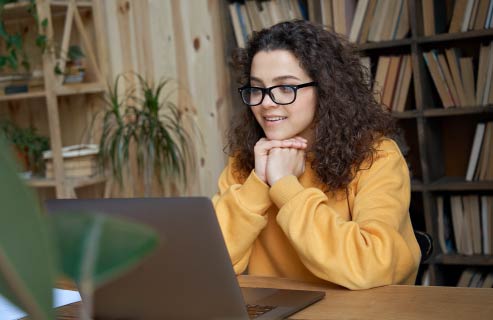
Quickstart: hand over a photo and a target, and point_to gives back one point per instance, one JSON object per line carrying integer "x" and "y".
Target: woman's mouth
{"x": 274, "y": 119}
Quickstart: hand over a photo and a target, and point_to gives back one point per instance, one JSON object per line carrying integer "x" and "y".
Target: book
{"x": 380, "y": 77}
{"x": 488, "y": 76}
{"x": 367, "y": 21}
{"x": 343, "y": 11}
{"x": 488, "y": 281}
{"x": 252, "y": 10}
{"x": 467, "y": 15}
{"x": 428, "y": 18}
{"x": 466, "y": 277}
{"x": 481, "y": 75}
{"x": 403, "y": 26}
{"x": 315, "y": 10}
{"x": 442, "y": 62}
{"x": 474, "y": 13}
{"x": 473, "y": 213}
{"x": 358, "y": 20}
{"x": 453, "y": 63}
{"x": 406, "y": 72}
{"x": 381, "y": 17}
{"x": 438, "y": 79}
{"x": 475, "y": 150}
{"x": 235, "y": 19}
{"x": 484, "y": 162}
{"x": 391, "y": 20}
{"x": 458, "y": 15}
{"x": 445, "y": 232}
{"x": 481, "y": 15}
{"x": 457, "y": 222}
{"x": 391, "y": 81}
{"x": 78, "y": 161}
{"x": 327, "y": 15}
{"x": 466, "y": 67}
{"x": 486, "y": 224}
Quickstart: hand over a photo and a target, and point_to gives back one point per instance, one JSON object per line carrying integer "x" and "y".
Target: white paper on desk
{"x": 8, "y": 311}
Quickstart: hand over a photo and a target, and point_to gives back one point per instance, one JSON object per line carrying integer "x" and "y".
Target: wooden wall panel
{"x": 181, "y": 40}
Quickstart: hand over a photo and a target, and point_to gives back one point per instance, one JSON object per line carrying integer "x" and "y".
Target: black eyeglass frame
{"x": 269, "y": 91}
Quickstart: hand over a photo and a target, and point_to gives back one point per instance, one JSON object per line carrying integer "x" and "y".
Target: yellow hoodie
{"x": 294, "y": 230}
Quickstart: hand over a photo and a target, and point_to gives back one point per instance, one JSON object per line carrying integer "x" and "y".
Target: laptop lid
{"x": 189, "y": 275}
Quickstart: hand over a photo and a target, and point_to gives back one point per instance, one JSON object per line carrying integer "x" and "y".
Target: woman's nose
{"x": 268, "y": 102}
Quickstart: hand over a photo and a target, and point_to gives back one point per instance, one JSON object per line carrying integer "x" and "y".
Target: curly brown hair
{"x": 348, "y": 121}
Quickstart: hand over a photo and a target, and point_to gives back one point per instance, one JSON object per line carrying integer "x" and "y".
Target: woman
{"x": 315, "y": 189}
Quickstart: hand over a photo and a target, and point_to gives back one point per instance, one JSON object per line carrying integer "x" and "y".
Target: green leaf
{"x": 41, "y": 40}
{"x": 3, "y": 33}
{"x": 44, "y": 23}
{"x": 27, "y": 268}
{"x": 108, "y": 246}
{"x": 16, "y": 41}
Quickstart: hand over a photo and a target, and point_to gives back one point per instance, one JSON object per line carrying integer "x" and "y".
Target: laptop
{"x": 189, "y": 275}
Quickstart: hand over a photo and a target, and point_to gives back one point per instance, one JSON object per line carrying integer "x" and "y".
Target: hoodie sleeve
{"x": 240, "y": 209}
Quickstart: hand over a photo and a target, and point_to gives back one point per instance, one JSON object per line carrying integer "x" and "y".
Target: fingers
{"x": 263, "y": 145}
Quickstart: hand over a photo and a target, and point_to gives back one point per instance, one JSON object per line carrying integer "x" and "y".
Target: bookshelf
{"x": 57, "y": 109}
{"x": 439, "y": 139}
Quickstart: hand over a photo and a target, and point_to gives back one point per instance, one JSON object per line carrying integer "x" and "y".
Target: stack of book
{"x": 257, "y": 15}
{"x": 474, "y": 278}
{"x": 364, "y": 20}
{"x": 469, "y": 15}
{"x": 392, "y": 81}
{"x": 78, "y": 161}
{"x": 480, "y": 166}
{"x": 453, "y": 77}
{"x": 465, "y": 224}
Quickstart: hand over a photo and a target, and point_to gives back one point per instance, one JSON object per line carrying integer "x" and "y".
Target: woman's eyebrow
{"x": 276, "y": 79}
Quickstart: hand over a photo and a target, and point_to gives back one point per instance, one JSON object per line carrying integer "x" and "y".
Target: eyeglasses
{"x": 281, "y": 94}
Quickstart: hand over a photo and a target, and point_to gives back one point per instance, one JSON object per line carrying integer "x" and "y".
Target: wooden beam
{"x": 87, "y": 43}
{"x": 69, "y": 19}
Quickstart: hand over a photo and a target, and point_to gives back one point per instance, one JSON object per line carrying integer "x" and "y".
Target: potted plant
{"x": 67, "y": 244}
{"x": 14, "y": 81}
{"x": 29, "y": 146}
{"x": 74, "y": 67}
{"x": 146, "y": 118}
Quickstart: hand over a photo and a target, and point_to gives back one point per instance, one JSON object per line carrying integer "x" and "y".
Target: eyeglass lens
{"x": 281, "y": 95}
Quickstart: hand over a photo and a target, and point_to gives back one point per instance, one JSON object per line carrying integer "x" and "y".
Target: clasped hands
{"x": 275, "y": 159}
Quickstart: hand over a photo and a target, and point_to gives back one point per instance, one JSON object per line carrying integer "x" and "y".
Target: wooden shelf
{"x": 459, "y": 184}
{"x": 80, "y": 88}
{"x": 86, "y": 181}
{"x": 384, "y": 45}
{"x": 39, "y": 182}
{"x": 27, "y": 95}
{"x": 410, "y": 114}
{"x": 440, "y": 112}
{"x": 454, "y": 37}
{"x": 18, "y": 11}
{"x": 476, "y": 260}
{"x": 417, "y": 185}
{"x": 15, "y": 11}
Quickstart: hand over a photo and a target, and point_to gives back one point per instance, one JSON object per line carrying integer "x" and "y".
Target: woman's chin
{"x": 278, "y": 137}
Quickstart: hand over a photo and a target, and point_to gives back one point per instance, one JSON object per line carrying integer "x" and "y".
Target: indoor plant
{"x": 35, "y": 250}
{"x": 28, "y": 144}
{"x": 147, "y": 118}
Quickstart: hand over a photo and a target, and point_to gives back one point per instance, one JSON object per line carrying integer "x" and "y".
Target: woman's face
{"x": 280, "y": 122}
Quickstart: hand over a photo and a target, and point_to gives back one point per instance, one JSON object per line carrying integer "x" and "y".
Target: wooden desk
{"x": 391, "y": 302}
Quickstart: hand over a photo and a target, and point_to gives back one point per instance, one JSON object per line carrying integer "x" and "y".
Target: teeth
{"x": 275, "y": 118}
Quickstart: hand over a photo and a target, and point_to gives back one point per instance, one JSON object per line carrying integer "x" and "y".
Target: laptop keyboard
{"x": 255, "y": 310}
